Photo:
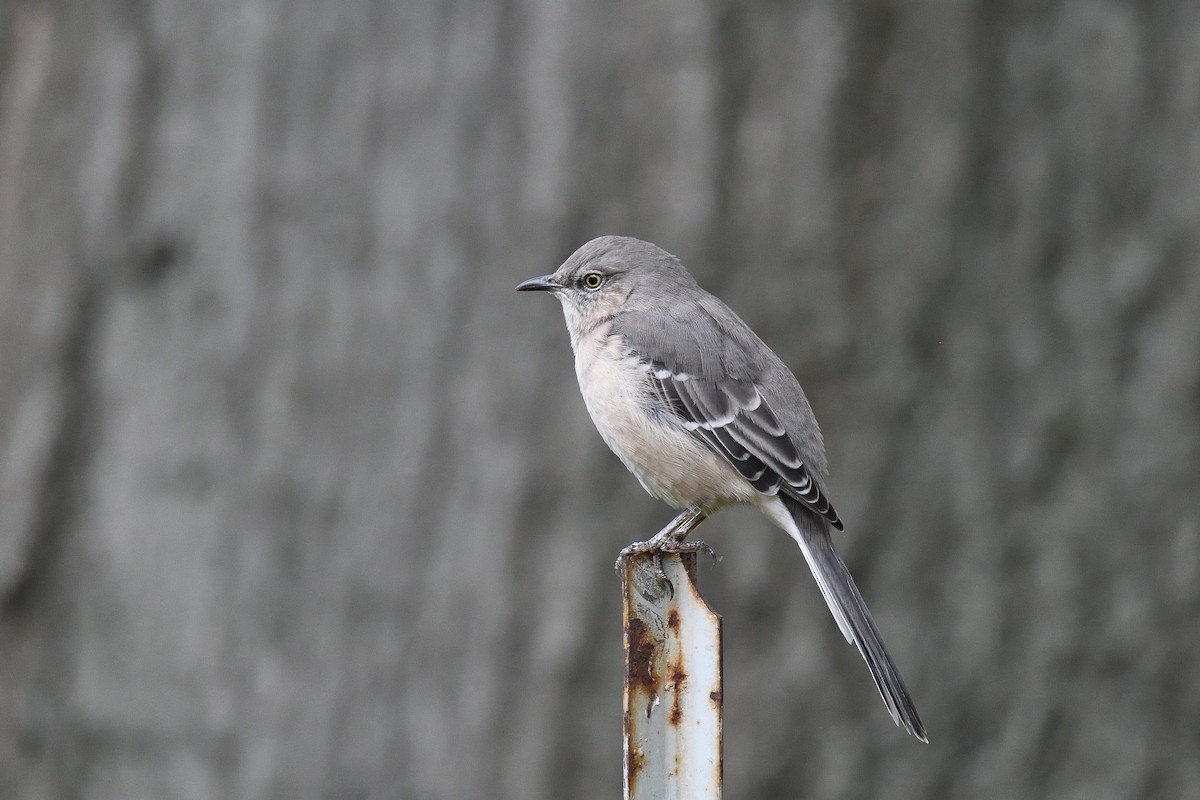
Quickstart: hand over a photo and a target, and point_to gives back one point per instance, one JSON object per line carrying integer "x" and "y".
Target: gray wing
{"x": 703, "y": 372}
{"x": 733, "y": 418}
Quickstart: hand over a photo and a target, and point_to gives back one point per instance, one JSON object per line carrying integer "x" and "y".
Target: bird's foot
{"x": 664, "y": 544}
{"x": 671, "y": 540}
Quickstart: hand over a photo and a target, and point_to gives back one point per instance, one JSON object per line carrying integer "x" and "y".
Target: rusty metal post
{"x": 673, "y": 683}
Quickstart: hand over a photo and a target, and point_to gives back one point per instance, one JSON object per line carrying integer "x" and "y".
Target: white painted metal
{"x": 673, "y": 683}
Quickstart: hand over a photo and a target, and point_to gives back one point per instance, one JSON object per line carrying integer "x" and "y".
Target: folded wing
{"x": 734, "y": 419}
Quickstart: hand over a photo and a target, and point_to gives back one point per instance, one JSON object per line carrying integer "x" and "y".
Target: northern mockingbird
{"x": 706, "y": 416}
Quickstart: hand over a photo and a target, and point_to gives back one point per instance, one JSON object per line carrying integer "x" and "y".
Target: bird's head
{"x": 609, "y": 275}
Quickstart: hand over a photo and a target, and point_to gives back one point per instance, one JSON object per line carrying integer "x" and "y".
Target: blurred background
{"x": 298, "y": 499}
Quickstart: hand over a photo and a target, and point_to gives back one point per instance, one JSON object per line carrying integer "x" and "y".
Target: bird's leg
{"x": 688, "y": 521}
{"x": 675, "y": 531}
{"x": 671, "y": 540}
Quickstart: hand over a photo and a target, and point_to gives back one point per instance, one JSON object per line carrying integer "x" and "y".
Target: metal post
{"x": 673, "y": 685}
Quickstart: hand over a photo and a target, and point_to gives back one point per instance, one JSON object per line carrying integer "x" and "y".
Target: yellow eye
{"x": 592, "y": 280}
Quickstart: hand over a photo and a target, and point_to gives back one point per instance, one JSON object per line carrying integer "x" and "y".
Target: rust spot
{"x": 633, "y": 767}
{"x": 673, "y": 619}
{"x": 639, "y": 658}
{"x": 679, "y": 678}
{"x": 716, "y": 698}
{"x": 689, "y": 564}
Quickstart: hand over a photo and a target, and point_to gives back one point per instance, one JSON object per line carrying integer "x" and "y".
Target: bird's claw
{"x": 668, "y": 545}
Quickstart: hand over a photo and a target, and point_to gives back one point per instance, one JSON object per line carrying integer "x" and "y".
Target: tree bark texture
{"x": 298, "y": 499}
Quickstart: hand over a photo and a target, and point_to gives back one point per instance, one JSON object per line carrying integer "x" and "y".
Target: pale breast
{"x": 671, "y": 464}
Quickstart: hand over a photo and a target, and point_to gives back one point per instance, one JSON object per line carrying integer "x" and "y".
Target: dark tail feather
{"x": 850, "y": 611}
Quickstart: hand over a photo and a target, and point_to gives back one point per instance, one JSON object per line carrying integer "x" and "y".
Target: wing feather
{"x": 734, "y": 419}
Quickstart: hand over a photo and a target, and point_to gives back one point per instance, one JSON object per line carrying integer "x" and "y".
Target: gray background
{"x": 299, "y": 500}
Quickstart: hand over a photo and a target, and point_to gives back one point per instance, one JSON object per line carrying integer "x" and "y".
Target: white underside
{"x": 671, "y": 463}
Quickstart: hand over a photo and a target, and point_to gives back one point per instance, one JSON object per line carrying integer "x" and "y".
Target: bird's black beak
{"x": 546, "y": 283}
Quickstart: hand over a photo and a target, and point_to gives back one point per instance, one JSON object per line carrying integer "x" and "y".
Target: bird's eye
{"x": 592, "y": 280}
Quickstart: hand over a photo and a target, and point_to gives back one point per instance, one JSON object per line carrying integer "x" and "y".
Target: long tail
{"x": 850, "y": 611}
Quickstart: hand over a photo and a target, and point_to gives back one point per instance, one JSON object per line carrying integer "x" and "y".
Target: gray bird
{"x": 706, "y": 416}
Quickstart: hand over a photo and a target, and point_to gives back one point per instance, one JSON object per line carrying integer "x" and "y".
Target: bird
{"x": 705, "y": 415}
